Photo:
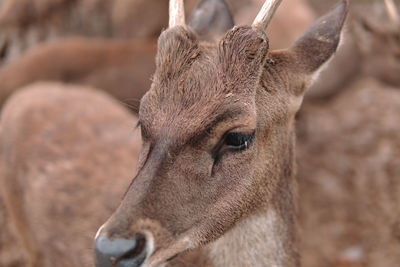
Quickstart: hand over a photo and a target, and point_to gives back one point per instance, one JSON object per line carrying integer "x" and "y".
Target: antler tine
{"x": 176, "y": 13}
{"x": 392, "y": 11}
{"x": 266, "y": 13}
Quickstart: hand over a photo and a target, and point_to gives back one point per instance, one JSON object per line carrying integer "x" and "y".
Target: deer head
{"x": 217, "y": 130}
{"x": 378, "y": 41}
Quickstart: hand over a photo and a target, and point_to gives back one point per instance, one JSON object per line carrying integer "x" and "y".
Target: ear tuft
{"x": 211, "y": 19}
{"x": 320, "y": 41}
{"x": 177, "y": 49}
{"x": 242, "y": 53}
{"x": 244, "y": 45}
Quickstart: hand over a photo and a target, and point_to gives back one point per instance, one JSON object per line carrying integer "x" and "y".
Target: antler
{"x": 392, "y": 11}
{"x": 266, "y": 13}
{"x": 176, "y": 13}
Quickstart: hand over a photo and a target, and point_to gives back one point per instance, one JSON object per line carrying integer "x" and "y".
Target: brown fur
{"x": 371, "y": 47}
{"x": 349, "y": 159}
{"x": 25, "y": 23}
{"x": 129, "y": 62}
{"x": 348, "y": 151}
{"x": 200, "y": 91}
{"x": 121, "y": 68}
{"x": 64, "y": 163}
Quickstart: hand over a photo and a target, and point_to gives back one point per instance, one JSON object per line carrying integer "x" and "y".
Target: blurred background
{"x": 348, "y": 130}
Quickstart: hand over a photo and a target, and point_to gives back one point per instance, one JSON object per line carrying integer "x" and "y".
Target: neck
{"x": 261, "y": 239}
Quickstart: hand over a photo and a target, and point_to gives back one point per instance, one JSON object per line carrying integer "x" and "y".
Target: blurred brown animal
{"x": 349, "y": 177}
{"x": 56, "y": 143}
{"x": 349, "y": 169}
{"x": 244, "y": 85}
{"x": 371, "y": 47}
{"x": 121, "y": 68}
{"x": 25, "y": 23}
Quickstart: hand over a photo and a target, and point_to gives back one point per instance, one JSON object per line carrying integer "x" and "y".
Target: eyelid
{"x": 243, "y": 129}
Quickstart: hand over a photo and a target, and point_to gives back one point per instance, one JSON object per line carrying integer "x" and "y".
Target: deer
{"x": 54, "y": 150}
{"x": 371, "y": 47}
{"x": 216, "y": 169}
{"x": 348, "y": 171}
{"x": 228, "y": 106}
{"x": 348, "y": 176}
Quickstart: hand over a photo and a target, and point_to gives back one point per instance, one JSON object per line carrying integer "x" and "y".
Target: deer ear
{"x": 320, "y": 42}
{"x": 211, "y": 19}
{"x": 308, "y": 54}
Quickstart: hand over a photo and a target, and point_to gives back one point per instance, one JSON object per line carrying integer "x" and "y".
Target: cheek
{"x": 181, "y": 192}
{"x": 234, "y": 170}
{"x": 195, "y": 165}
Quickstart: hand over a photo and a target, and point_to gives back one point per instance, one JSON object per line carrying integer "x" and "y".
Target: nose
{"x": 119, "y": 251}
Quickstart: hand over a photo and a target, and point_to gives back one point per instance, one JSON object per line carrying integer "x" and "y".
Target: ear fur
{"x": 241, "y": 54}
{"x": 211, "y": 19}
{"x": 306, "y": 56}
{"x": 177, "y": 49}
{"x": 319, "y": 43}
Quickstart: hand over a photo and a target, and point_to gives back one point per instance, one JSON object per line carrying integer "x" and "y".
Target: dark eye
{"x": 238, "y": 140}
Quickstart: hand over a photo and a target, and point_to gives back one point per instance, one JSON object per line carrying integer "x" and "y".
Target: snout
{"x": 120, "y": 252}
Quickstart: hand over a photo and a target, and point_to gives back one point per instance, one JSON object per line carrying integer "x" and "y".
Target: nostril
{"x": 120, "y": 251}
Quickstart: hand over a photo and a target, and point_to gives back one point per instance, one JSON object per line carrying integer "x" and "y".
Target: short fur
{"x": 201, "y": 91}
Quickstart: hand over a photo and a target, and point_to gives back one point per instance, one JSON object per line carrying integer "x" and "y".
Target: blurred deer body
{"x": 25, "y": 23}
{"x": 349, "y": 166}
{"x": 371, "y": 48}
{"x": 121, "y": 68}
{"x": 55, "y": 178}
{"x": 348, "y": 154}
{"x": 216, "y": 168}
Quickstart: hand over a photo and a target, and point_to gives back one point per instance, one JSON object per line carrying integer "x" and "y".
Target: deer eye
{"x": 238, "y": 140}
{"x": 232, "y": 141}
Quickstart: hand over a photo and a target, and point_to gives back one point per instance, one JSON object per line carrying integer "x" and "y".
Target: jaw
{"x": 160, "y": 257}
{"x": 262, "y": 239}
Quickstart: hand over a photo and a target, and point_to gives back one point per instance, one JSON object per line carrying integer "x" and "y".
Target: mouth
{"x": 138, "y": 261}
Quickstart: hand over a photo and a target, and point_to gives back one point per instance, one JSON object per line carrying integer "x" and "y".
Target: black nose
{"x": 120, "y": 252}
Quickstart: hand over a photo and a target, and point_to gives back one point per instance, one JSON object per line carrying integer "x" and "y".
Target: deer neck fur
{"x": 259, "y": 240}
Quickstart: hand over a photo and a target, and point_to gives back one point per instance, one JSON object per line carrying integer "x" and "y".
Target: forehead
{"x": 196, "y": 98}
{"x": 190, "y": 88}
